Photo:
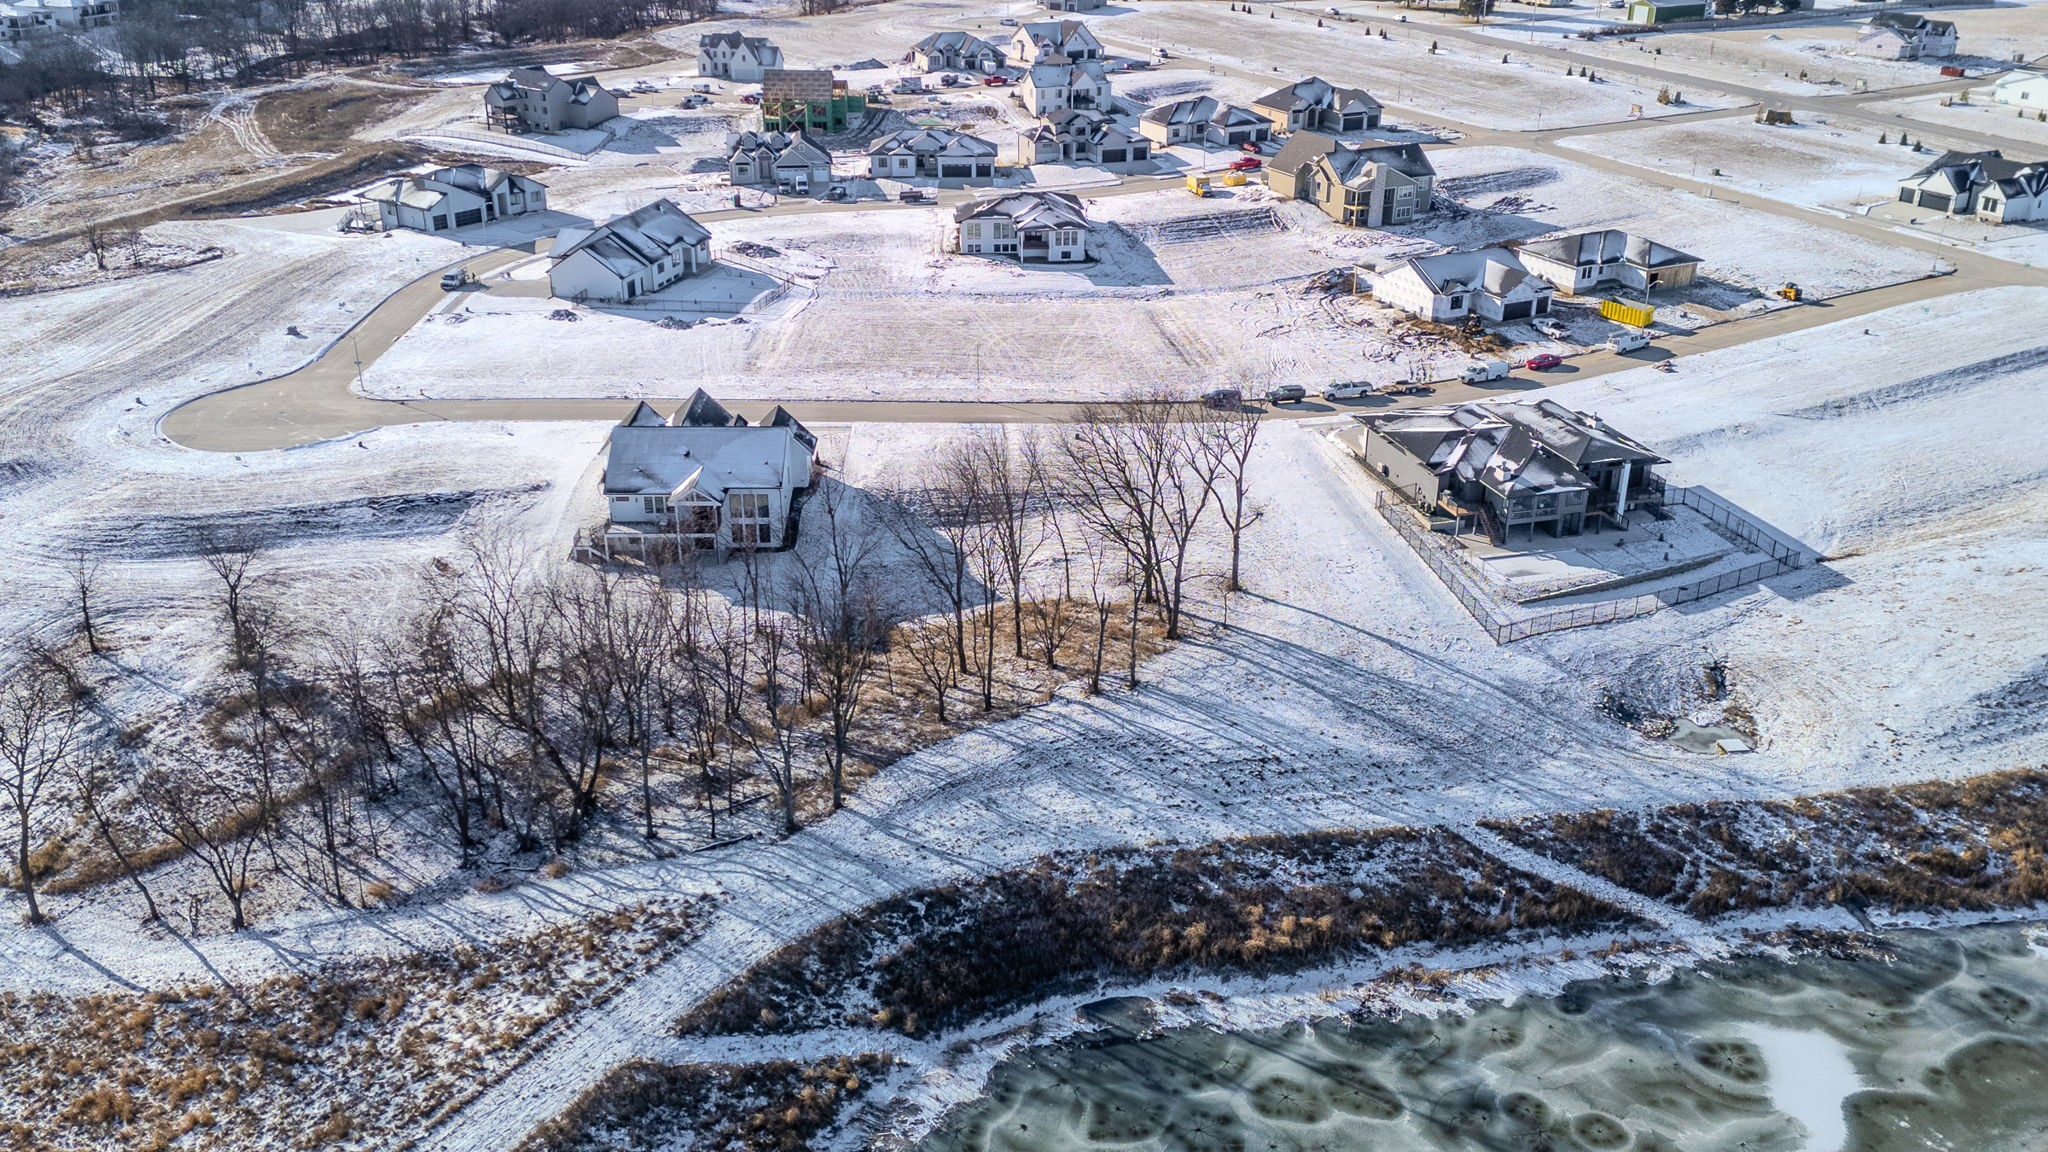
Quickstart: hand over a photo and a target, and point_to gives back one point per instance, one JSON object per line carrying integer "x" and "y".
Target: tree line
{"x": 518, "y": 698}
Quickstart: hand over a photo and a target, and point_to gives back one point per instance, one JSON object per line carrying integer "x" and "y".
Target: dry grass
{"x": 777, "y": 1106}
{"x": 932, "y": 959}
{"x": 210, "y": 1067}
{"x": 1971, "y": 844}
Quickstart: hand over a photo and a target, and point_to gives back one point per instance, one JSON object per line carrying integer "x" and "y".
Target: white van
{"x": 1628, "y": 341}
{"x": 1486, "y": 370}
{"x": 1349, "y": 390}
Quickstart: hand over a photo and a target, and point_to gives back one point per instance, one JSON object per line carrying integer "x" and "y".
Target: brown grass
{"x": 777, "y": 1106}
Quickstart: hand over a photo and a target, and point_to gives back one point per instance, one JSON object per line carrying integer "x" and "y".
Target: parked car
{"x": 1246, "y": 164}
{"x": 751, "y": 98}
{"x": 1348, "y": 390}
{"x": 1007, "y": 22}
{"x": 836, "y": 192}
{"x": 1543, "y": 362}
{"x": 918, "y": 196}
{"x": 459, "y": 278}
{"x": 1251, "y": 146}
{"x": 1555, "y": 329}
{"x": 1486, "y": 370}
{"x": 694, "y": 100}
{"x": 1286, "y": 394}
{"x": 1628, "y": 342}
{"x": 1226, "y": 399}
{"x": 995, "y": 81}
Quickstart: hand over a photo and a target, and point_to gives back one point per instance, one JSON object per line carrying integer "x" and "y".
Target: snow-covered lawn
{"x": 1818, "y": 161}
{"x": 1520, "y": 195}
{"x": 1460, "y": 80}
{"x": 1799, "y": 58}
{"x": 1981, "y": 114}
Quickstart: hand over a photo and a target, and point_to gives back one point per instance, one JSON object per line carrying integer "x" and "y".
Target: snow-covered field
{"x": 1817, "y": 161}
{"x": 1981, "y": 114}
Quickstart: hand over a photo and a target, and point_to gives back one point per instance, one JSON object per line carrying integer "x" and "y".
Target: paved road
{"x": 317, "y": 402}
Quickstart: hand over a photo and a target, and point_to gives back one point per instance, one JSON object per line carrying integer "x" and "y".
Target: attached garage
{"x": 1518, "y": 311}
{"x": 1114, "y": 155}
{"x": 471, "y": 216}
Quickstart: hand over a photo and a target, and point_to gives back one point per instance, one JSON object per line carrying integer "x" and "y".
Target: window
{"x": 654, "y": 505}
{"x": 973, "y": 230}
{"x": 440, "y": 222}
{"x": 747, "y": 518}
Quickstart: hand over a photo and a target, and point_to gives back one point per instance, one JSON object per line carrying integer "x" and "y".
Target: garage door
{"x": 1517, "y": 311}
{"x": 473, "y": 216}
{"x": 1112, "y": 155}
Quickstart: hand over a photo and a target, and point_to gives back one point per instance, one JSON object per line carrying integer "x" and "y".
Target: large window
{"x": 654, "y": 505}
{"x": 747, "y": 518}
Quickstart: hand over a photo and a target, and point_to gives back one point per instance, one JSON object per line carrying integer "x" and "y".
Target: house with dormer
{"x": 736, "y": 56}
{"x": 1067, "y": 39}
{"x": 1316, "y": 105}
{"x": 1082, "y": 136}
{"x": 532, "y": 99}
{"x": 1905, "y": 36}
{"x": 1028, "y": 227}
{"x": 444, "y": 199}
{"x": 1981, "y": 186}
{"x": 628, "y": 257}
{"x": 957, "y": 52}
{"x": 1373, "y": 184}
{"x": 1203, "y": 121}
{"x": 704, "y": 477}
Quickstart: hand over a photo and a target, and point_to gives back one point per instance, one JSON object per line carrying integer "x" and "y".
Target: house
{"x": 1056, "y": 83}
{"x": 706, "y": 477}
{"x": 1073, "y": 5}
{"x": 1206, "y": 121}
{"x": 784, "y": 161}
{"x": 1028, "y": 227}
{"x": 1983, "y": 185}
{"x": 1316, "y": 105}
{"x": 1068, "y": 39}
{"x": 532, "y": 99}
{"x": 732, "y": 56}
{"x": 1660, "y": 12}
{"x": 1489, "y": 283}
{"x": 22, "y": 19}
{"x": 1583, "y": 261}
{"x": 939, "y": 153}
{"x": 2024, "y": 89}
{"x": 623, "y": 259}
{"x": 1367, "y": 185}
{"x": 808, "y": 100}
{"x": 957, "y": 52}
{"x": 1080, "y": 135}
{"x": 1498, "y": 465}
{"x": 1905, "y": 36}
{"x": 457, "y": 197}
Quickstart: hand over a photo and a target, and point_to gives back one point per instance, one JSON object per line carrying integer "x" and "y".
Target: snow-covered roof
{"x": 1028, "y": 210}
{"x": 1605, "y": 246}
{"x": 1515, "y": 446}
{"x": 1318, "y": 93}
{"x": 428, "y": 189}
{"x": 791, "y": 148}
{"x": 1495, "y": 271}
{"x": 964, "y": 43}
{"x": 931, "y": 142}
{"x": 702, "y": 449}
{"x": 1203, "y": 110}
{"x": 1909, "y": 24}
{"x": 634, "y": 241}
{"x": 1352, "y": 163}
{"x": 737, "y": 40}
{"x": 1956, "y": 173}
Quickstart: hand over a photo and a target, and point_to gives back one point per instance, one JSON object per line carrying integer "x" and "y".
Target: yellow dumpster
{"x": 1621, "y": 312}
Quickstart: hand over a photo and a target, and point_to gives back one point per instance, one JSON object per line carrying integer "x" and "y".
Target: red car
{"x": 995, "y": 81}
{"x": 1543, "y": 363}
{"x": 1246, "y": 164}
{"x": 1248, "y": 146}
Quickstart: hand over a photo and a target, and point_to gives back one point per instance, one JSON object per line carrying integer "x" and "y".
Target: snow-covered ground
{"x": 1979, "y": 114}
{"x": 1817, "y": 161}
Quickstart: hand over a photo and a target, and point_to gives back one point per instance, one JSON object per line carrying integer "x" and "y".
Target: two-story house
{"x": 736, "y": 56}
{"x": 1368, "y": 185}
{"x": 1028, "y": 227}
{"x": 531, "y": 99}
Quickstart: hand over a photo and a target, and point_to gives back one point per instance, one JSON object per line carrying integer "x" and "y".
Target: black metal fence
{"x": 1436, "y": 553}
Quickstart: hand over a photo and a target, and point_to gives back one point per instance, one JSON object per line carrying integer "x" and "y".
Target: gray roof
{"x": 1511, "y": 445}
{"x": 734, "y": 40}
{"x": 1605, "y": 246}
{"x": 956, "y": 42}
{"x": 634, "y": 241}
{"x": 1908, "y": 23}
{"x": 1028, "y": 210}
{"x": 1203, "y": 109}
{"x": 1351, "y": 161}
{"x": 1316, "y": 92}
{"x": 932, "y": 142}
{"x": 1959, "y": 172}
{"x": 702, "y": 449}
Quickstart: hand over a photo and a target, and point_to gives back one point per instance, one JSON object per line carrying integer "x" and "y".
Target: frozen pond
{"x": 1938, "y": 1047}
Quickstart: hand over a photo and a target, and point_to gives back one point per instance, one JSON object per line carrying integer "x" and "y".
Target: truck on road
{"x": 1486, "y": 370}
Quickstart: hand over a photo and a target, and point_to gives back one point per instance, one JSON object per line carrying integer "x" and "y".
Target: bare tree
{"x": 85, "y": 574}
{"x": 1012, "y": 505}
{"x": 937, "y": 521}
{"x": 1227, "y": 440}
{"x": 89, "y": 780}
{"x": 844, "y": 623}
{"x": 231, "y": 559}
{"x": 215, "y": 812}
{"x": 39, "y": 722}
{"x": 930, "y": 650}
{"x": 1135, "y": 477}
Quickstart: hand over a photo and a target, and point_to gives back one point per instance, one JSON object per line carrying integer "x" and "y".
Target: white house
{"x": 939, "y": 153}
{"x": 1068, "y": 39}
{"x": 1073, "y": 5}
{"x": 1905, "y": 36}
{"x": 1056, "y": 83}
{"x": 532, "y": 99}
{"x": 2023, "y": 89}
{"x": 1584, "y": 261}
{"x": 957, "y": 52}
{"x": 1206, "y": 121}
{"x": 20, "y": 19}
{"x": 733, "y": 56}
{"x": 786, "y": 162}
{"x": 1081, "y": 135}
{"x": 1982, "y": 185}
{"x": 705, "y": 477}
{"x": 1316, "y": 105}
{"x": 620, "y": 260}
{"x": 1490, "y": 283}
{"x": 457, "y": 197}
{"x": 1028, "y": 227}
